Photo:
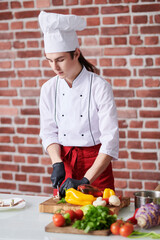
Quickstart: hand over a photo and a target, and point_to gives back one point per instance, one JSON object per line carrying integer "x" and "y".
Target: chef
{"x": 78, "y": 117}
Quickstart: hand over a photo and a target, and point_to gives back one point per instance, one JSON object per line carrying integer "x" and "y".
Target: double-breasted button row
{"x": 81, "y": 135}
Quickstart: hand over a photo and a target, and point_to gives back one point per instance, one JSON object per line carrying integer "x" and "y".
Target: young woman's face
{"x": 62, "y": 64}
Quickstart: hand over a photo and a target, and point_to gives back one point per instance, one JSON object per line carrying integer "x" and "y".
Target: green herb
{"x": 96, "y": 218}
{"x": 137, "y": 234}
{"x": 61, "y": 201}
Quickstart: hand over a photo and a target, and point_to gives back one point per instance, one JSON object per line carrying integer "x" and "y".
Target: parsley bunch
{"x": 96, "y": 218}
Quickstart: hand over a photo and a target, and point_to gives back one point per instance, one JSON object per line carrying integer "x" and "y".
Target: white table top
{"x": 29, "y": 224}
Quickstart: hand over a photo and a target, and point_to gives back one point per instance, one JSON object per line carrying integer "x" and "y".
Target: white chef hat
{"x": 60, "y": 31}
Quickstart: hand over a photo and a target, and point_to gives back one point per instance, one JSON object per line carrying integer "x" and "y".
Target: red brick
{"x": 6, "y": 148}
{"x": 120, "y": 62}
{"x": 147, "y": 51}
{"x": 122, "y": 134}
{"x": 7, "y": 185}
{"x": 29, "y": 54}
{"x": 151, "y": 124}
{"x": 24, "y": 35}
{"x": 30, "y": 150}
{"x": 114, "y": 9}
{"x": 17, "y": 102}
{"x": 85, "y": 11}
{"x": 18, "y": 120}
{"x": 133, "y": 134}
{"x": 105, "y": 41}
{"x": 118, "y": 164}
{"x": 29, "y": 93}
{"x": 16, "y": 25}
{"x": 6, "y": 15}
{"x": 3, "y": 83}
{"x": 28, "y": 130}
{"x": 48, "y": 190}
{"x": 149, "y": 145}
{"x": 34, "y": 63}
{"x": 152, "y": 82}
{"x": 4, "y": 26}
{"x": 6, "y": 158}
{"x": 31, "y": 102}
{"x": 123, "y": 93}
{"x": 34, "y": 179}
{"x": 26, "y": 14}
{"x": 121, "y": 174}
{"x": 57, "y": 2}
{"x": 150, "y": 135}
{"x": 124, "y": 19}
{"x": 150, "y": 185}
{"x": 157, "y": 18}
{"x": 33, "y": 159}
{"x": 144, "y": 155}
{"x": 157, "y": 61}
{"x": 45, "y": 161}
{"x": 8, "y": 93}
{"x": 118, "y": 51}
{"x": 3, "y": 5}
{"x": 120, "y": 184}
{"x": 4, "y": 102}
{"x": 19, "y": 64}
{"x": 105, "y": 62}
{"x": 18, "y": 44}
{"x": 133, "y": 165}
{"x": 5, "y": 120}
{"x": 119, "y": 83}
{"x": 32, "y": 169}
{"x": 115, "y": 30}
{"x": 30, "y": 111}
{"x": 151, "y": 40}
{"x": 108, "y": 20}
{"x": 149, "y": 62}
{"x": 46, "y": 180}
{"x": 148, "y": 166}
{"x": 42, "y": 3}
{"x": 19, "y": 159}
{"x": 9, "y": 111}
{"x": 21, "y": 177}
{"x": 5, "y": 36}
{"x": 85, "y": 2}
{"x": 18, "y": 140}
{"x": 150, "y": 103}
{"x": 32, "y": 140}
{"x": 5, "y": 139}
{"x": 28, "y": 4}
{"x": 32, "y": 44}
{"x": 118, "y": 72}
{"x": 135, "y": 185}
{"x": 9, "y": 167}
{"x": 90, "y": 41}
{"x": 7, "y": 176}
{"x": 134, "y": 144}
{"x": 134, "y": 103}
{"x": 150, "y": 30}
{"x": 120, "y": 40}
{"x": 32, "y": 25}
{"x": 87, "y": 32}
{"x": 29, "y": 73}
{"x": 136, "y": 83}
{"x": 7, "y": 74}
{"x": 139, "y": 19}
{"x": 16, "y": 83}
{"x": 146, "y": 8}
{"x": 91, "y": 52}
{"x": 30, "y": 83}
{"x": 71, "y": 2}
{"x": 146, "y": 175}
{"x": 29, "y": 188}
{"x": 135, "y": 40}
{"x": 151, "y": 113}
{"x": 148, "y": 93}
{"x": 122, "y": 124}
{"x": 15, "y": 4}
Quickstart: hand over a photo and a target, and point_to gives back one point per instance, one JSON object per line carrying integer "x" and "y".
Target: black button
{"x": 62, "y": 115}
{"x": 81, "y": 115}
{"x": 63, "y": 94}
{"x": 82, "y": 135}
{"x": 64, "y": 134}
{"x": 81, "y": 95}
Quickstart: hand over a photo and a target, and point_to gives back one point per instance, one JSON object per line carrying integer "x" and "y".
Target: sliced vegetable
{"x": 96, "y": 218}
{"x": 89, "y": 189}
{"x": 78, "y": 198}
{"x": 148, "y": 215}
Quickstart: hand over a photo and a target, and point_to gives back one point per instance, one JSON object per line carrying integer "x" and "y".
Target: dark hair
{"x": 89, "y": 66}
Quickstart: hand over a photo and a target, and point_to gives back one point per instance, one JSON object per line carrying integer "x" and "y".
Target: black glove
{"x": 58, "y": 174}
{"x": 72, "y": 183}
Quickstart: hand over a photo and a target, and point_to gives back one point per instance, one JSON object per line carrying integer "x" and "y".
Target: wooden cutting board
{"x": 51, "y": 206}
{"x": 69, "y": 229}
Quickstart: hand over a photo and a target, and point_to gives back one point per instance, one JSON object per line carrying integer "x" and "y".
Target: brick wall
{"x": 122, "y": 39}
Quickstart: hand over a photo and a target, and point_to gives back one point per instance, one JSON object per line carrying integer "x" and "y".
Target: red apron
{"x": 77, "y": 160}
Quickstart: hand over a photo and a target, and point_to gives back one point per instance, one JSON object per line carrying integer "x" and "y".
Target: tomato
{"x": 79, "y": 214}
{"x": 126, "y": 229}
{"x": 115, "y": 227}
{"x": 58, "y": 220}
{"x": 71, "y": 213}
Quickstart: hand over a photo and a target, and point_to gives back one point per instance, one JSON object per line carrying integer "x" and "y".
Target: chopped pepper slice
{"x": 108, "y": 192}
{"x": 78, "y": 198}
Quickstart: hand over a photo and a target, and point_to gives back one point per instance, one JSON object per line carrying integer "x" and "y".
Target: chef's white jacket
{"x": 84, "y": 115}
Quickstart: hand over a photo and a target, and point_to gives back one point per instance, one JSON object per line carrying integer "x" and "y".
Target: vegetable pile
{"x": 96, "y": 218}
{"x": 122, "y": 228}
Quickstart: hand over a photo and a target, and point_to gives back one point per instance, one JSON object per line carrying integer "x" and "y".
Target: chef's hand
{"x": 58, "y": 174}
{"x": 72, "y": 183}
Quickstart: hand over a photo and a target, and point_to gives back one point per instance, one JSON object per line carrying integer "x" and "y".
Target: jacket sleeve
{"x": 108, "y": 122}
{"x": 48, "y": 126}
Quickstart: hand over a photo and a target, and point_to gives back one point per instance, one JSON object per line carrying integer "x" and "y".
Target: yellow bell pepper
{"x": 78, "y": 198}
{"x": 108, "y": 192}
